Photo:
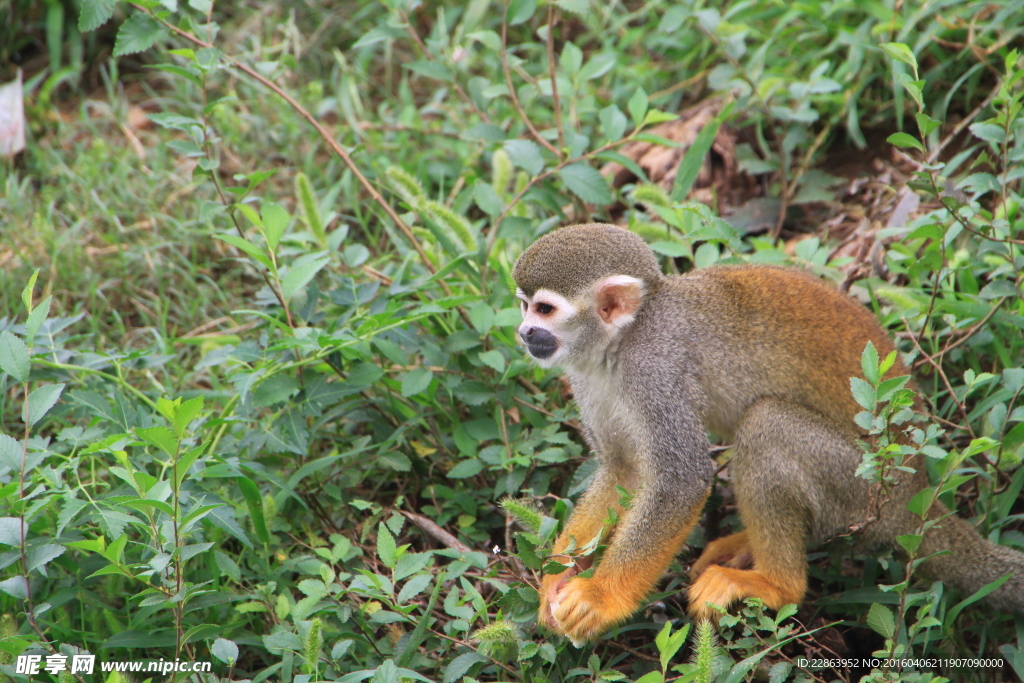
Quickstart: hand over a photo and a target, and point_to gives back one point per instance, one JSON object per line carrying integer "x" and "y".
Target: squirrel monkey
{"x": 760, "y": 355}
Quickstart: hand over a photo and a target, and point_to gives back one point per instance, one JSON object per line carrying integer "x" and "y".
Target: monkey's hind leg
{"x": 785, "y": 457}
{"x": 729, "y": 551}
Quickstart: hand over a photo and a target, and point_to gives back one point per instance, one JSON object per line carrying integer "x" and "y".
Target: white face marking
{"x": 547, "y": 312}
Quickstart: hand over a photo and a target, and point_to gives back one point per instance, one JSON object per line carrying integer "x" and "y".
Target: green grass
{"x": 346, "y": 390}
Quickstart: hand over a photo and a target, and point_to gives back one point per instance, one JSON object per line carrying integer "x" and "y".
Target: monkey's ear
{"x": 617, "y": 298}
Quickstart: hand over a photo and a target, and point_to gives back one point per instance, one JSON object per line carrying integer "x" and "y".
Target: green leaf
{"x": 95, "y": 13}
{"x": 140, "y": 32}
{"x": 905, "y": 140}
{"x": 693, "y": 161}
{"x": 185, "y": 462}
{"x": 881, "y": 620}
{"x": 310, "y": 212}
{"x": 416, "y": 381}
{"x": 571, "y": 59}
{"x": 902, "y": 53}
{"x": 161, "y": 437}
{"x": 520, "y": 11}
{"x": 525, "y": 154}
{"x": 863, "y": 393}
{"x": 494, "y": 359}
{"x": 574, "y": 6}
{"x": 637, "y": 106}
{"x": 254, "y": 502}
{"x": 275, "y": 221}
{"x": 466, "y": 468}
{"x": 487, "y": 199}
{"x": 302, "y": 270}
{"x": 26, "y": 293}
{"x": 922, "y": 502}
{"x": 36, "y": 318}
{"x": 613, "y": 122}
{"x": 430, "y": 69}
{"x": 225, "y": 650}
{"x": 14, "y": 358}
{"x": 386, "y": 550}
{"x": 586, "y": 183}
{"x": 186, "y": 412}
{"x": 926, "y": 124}
{"x": 985, "y": 590}
{"x": 39, "y": 555}
{"x": 247, "y": 247}
{"x": 40, "y": 401}
{"x": 869, "y": 364}
{"x": 910, "y": 542}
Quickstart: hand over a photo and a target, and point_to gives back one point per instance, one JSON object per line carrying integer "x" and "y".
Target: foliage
{"x": 270, "y": 397}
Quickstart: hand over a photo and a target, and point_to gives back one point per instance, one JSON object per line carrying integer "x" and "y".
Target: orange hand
{"x": 586, "y": 608}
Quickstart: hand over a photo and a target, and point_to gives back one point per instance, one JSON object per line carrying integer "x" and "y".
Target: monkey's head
{"x": 580, "y": 287}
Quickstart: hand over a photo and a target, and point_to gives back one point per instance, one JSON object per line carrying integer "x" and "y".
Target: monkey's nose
{"x": 540, "y": 342}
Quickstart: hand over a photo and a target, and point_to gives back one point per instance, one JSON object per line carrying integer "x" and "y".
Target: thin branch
{"x": 554, "y": 81}
{"x": 512, "y": 90}
{"x": 945, "y": 380}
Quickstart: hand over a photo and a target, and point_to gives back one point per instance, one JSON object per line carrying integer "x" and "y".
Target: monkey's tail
{"x": 974, "y": 562}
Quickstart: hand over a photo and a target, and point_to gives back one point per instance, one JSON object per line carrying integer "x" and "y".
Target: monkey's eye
{"x": 544, "y": 309}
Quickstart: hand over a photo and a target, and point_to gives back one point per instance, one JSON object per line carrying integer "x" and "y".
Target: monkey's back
{"x": 754, "y": 331}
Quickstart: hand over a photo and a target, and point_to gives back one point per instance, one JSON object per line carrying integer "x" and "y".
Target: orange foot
{"x": 585, "y": 609}
{"x": 731, "y": 551}
{"x": 724, "y": 585}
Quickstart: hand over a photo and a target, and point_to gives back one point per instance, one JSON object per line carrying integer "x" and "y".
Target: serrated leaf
{"x": 416, "y": 381}
{"x": 494, "y": 359}
{"x": 586, "y": 183}
{"x": 40, "y": 401}
{"x": 36, "y": 318}
{"x": 881, "y": 620}
{"x": 410, "y": 563}
{"x": 16, "y": 587}
{"x": 863, "y": 393}
{"x": 302, "y": 270}
{"x": 487, "y": 198}
{"x": 140, "y": 32}
{"x": 869, "y": 363}
{"x": 910, "y": 542}
{"x": 386, "y": 549}
{"x": 413, "y": 587}
{"x": 466, "y": 468}
{"x": 161, "y": 437}
{"x": 14, "y": 358}
{"x": 95, "y": 13}
{"x": 525, "y": 154}
{"x": 39, "y": 555}
{"x": 225, "y": 650}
